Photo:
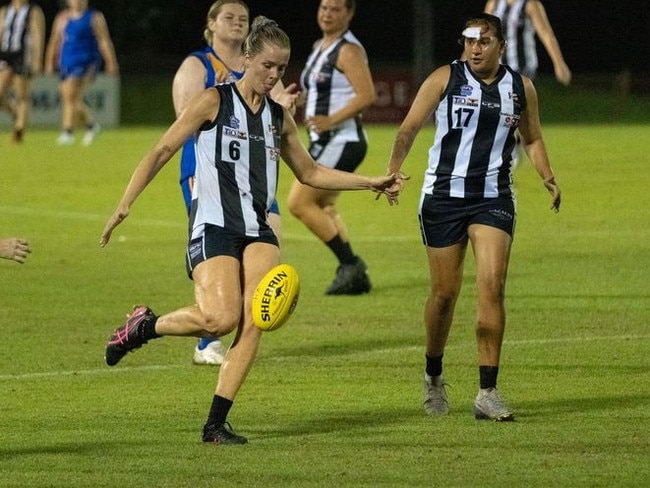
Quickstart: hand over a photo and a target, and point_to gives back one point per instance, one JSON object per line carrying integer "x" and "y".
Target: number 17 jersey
{"x": 475, "y": 144}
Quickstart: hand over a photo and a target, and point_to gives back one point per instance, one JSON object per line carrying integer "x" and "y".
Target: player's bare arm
{"x": 188, "y": 82}
{"x": 354, "y": 64}
{"x": 531, "y": 134}
{"x": 425, "y": 103}
{"x": 202, "y": 108}
{"x": 308, "y": 172}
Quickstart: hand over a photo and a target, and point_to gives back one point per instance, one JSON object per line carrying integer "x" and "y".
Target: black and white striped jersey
{"x": 521, "y": 51}
{"x": 475, "y": 145}
{"x": 15, "y": 30}
{"x": 237, "y": 166}
{"x": 328, "y": 89}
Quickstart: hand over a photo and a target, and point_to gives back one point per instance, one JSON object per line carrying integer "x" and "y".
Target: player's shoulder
{"x": 351, "y": 49}
{"x": 534, "y": 6}
{"x": 193, "y": 61}
{"x": 442, "y": 73}
{"x": 350, "y": 41}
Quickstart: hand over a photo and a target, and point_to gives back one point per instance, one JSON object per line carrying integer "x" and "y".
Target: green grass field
{"x": 334, "y": 398}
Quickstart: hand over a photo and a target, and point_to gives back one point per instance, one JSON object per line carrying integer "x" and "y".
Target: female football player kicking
{"x": 241, "y": 135}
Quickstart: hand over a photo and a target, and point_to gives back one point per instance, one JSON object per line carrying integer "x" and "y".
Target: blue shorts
{"x": 444, "y": 221}
{"x": 218, "y": 241}
{"x": 78, "y": 70}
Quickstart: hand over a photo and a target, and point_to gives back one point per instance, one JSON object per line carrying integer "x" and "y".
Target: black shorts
{"x": 16, "y": 61}
{"x": 217, "y": 241}
{"x": 339, "y": 154}
{"x": 444, "y": 221}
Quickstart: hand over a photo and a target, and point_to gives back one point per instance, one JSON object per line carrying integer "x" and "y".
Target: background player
{"x": 338, "y": 87}
{"x": 22, "y": 42}
{"x": 522, "y": 19}
{"x": 79, "y": 42}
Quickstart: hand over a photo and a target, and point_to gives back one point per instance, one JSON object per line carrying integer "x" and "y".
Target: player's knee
{"x": 491, "y": 290}
{"x": 444, "y": 300}
{"x": 330, "y": 211}
{"x": 296, "y": 207}
{"x": 220, "y": 323}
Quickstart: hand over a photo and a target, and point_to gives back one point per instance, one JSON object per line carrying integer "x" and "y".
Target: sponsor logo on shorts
{"x": 501, "y": 214}
{"x": 196, "y": 249}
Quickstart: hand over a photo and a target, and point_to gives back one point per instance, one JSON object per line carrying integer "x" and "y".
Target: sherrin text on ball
{"x": 275, "y": 297}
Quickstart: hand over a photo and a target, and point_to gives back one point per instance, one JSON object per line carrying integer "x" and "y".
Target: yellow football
{"x": 275, "y": 297}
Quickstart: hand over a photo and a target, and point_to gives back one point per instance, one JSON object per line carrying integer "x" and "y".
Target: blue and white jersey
{"x": 328, "y": 89}
{"x": 475, "y": 145}
{"x": 237, "y": 157}
{"x": 521, "y": 50}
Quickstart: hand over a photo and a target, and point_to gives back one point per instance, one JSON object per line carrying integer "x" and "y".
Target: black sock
{"x": 488, "y": 376}
{"x": 342, "y": 250}
{"x": 219, "y": 410}
{"x": 147, "y": 329}
{"x": 434, "y": 365}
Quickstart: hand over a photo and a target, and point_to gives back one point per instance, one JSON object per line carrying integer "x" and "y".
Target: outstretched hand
{"x": 116, "y": 219}
{"x": 392, "y": 192}
{"x": 15, "y": 249}
{"x": 555, "y": 192}
{"x": 290, "y": 98}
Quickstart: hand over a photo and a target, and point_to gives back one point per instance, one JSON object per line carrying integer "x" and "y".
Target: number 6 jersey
{"x": 237, "y": 159}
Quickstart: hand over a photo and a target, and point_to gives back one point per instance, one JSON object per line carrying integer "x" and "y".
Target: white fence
{"x": 103, "y": 97}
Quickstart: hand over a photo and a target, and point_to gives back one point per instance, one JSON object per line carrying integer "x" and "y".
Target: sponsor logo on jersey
{"x": 237, "y": 134}
{"x": 510, "y": 120}
{"x": 273, "y": 153}
{"x": 491, "y": 104}
{"x": 469, "y": 102}
{"x": 466, "y": 90}
{"x": 234, "y": 122}
{"x": 513, "y": 96}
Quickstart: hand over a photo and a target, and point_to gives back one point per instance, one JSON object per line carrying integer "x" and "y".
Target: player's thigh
{"x": 70, "y": 87}
{"x": 258, "y": 260}
{"x": 5, "y": 79}
{"x": 22, "y": 86}
{"x": 491, "y": 247}
{"x": 217, "y": 289}
{"x": 446, "y": 268}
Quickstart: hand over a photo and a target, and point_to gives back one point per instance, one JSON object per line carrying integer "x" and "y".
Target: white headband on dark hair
{"x": 472, "y": 32}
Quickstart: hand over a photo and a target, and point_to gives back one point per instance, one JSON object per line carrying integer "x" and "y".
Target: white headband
{"x": 472, "y": 32}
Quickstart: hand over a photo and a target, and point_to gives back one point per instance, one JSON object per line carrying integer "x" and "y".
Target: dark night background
{"x": 600, "y": 36}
